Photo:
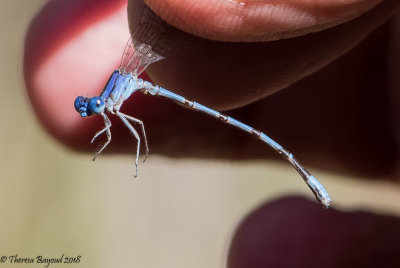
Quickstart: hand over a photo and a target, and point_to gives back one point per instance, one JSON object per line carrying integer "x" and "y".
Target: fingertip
{"x": 255, "y": 20}
{"x": 294, "y": 232}
{"x": 70, "y": 49}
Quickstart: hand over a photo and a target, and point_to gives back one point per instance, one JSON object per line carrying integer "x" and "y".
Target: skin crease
{"x": 334, "y": 113}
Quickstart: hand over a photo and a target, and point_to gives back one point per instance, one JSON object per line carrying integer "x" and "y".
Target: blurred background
{"x": 178, "y": 213}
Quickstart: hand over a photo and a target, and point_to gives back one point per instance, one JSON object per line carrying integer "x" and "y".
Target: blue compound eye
{"x": 96, "y": 105}
{"x": 77, "y": 103}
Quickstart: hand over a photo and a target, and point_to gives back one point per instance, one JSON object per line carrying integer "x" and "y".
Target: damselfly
{"x": 141, "y": 51}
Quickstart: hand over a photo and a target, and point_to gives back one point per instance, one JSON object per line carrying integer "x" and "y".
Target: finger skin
{"x": 70, "y": 49}
{"x": 230, "y": 75}
{"x": 63, "y": 60}
{"x": 294, "y": 232}
{"x": 257, "y": 20}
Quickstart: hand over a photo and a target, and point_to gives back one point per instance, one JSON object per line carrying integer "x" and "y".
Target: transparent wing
{"x": 137, "y": 56}
{"x": 152, "y": 39}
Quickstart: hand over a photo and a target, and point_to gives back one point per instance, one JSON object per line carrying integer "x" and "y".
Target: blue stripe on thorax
{"x": 110, "y": 85}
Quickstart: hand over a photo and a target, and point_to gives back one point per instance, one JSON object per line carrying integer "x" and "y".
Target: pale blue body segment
{"x": 124, "y": 81}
